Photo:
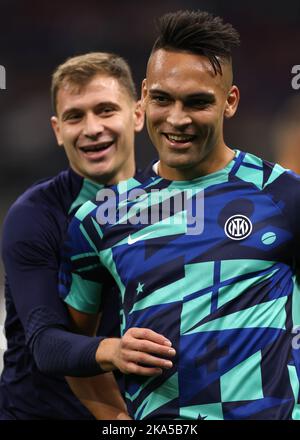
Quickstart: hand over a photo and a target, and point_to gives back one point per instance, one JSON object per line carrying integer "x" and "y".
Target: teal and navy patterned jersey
{"x": 225, "y": 293}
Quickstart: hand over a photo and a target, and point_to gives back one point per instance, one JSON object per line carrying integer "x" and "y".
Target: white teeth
{"x": 176, "y": 138}
{"x": 97, "y": 147}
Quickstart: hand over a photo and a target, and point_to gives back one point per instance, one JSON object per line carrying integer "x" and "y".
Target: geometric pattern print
{"x": 220, "y": 353}
{"x": 226, "y": 305}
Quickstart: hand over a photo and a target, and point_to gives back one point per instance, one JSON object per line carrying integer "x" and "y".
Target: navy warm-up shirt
{"x": 33, "y": 234}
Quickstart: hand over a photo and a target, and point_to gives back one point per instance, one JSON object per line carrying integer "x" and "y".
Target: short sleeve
{"x": 81, "y": 276}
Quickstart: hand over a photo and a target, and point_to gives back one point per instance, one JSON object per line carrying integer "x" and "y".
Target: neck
{"x": 124, "y": 173}
{"x": 210, "y": 164}
{"x": 121, "y": 175}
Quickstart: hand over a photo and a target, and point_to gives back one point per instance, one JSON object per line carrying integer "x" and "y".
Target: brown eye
{"x": 72, "y": 117}
{"x": 108, "y": 110}
{"x": 198, "y": 104}
{"x": 161, "y": 100}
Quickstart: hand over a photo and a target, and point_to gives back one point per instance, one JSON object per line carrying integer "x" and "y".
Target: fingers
{"x": 149, "y": 335}
{"x": 138, "y": 345}
{"x": 133, "y": 368}
{"x": 143, "y": 351}
{"x": 147, "y": 341}
{"x": 148, "y": 360}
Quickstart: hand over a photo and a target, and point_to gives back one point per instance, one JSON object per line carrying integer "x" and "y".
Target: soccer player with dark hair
{"x": 96, "y": 117}
{"x": 221, "y": 285}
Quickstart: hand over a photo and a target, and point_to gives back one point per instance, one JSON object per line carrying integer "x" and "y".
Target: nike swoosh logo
{"x": 134, "y": 240}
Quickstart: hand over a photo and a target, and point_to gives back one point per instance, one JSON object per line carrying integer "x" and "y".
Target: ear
{"x": 56, "y": 129}
{"x": 232, "y": 102}
{"x": 139, "y": 117}
{"x": 144, "y": 93}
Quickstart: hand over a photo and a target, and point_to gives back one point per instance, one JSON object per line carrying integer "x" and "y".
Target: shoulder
{"x": 265, "y": 175}
{"x": 39, "y": 210}
{"x": 56, "y": 193}
{"x": 278, "y": 184}
{"x": 280, "y": 180}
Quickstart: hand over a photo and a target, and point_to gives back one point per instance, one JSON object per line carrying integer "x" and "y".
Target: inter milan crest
{"x": 238, "y": 227}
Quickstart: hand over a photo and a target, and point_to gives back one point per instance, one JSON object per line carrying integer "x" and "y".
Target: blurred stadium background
{"x": 36, "y": 36}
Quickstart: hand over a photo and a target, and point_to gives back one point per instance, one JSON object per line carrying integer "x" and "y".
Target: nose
{"x": 92, "y": 126}
{"x": 178, "y": 117}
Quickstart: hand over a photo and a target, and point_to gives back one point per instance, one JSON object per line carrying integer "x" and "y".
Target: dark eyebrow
{"x": 158, "y": 92}
{"x": 202, "y": 95}
{"x": 69, "y": 111}
{"x": 194, "y": 96}
{"x": 97, "y": 107}
{"x": 107, "y": 104}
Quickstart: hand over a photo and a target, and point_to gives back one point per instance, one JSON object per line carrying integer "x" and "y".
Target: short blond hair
{"x": 79, "y": 70}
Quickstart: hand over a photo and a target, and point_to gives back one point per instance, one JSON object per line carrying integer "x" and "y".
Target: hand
{"x": 134, "y": 350}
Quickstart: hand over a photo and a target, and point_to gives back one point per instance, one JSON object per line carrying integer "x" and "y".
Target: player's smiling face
{"x": 96, "y": 124}
{"x": 185, "y": 103}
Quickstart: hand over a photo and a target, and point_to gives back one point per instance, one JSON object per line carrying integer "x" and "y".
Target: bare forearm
{"x": 100, "y": 395}
{"x": 101, "y": 411}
